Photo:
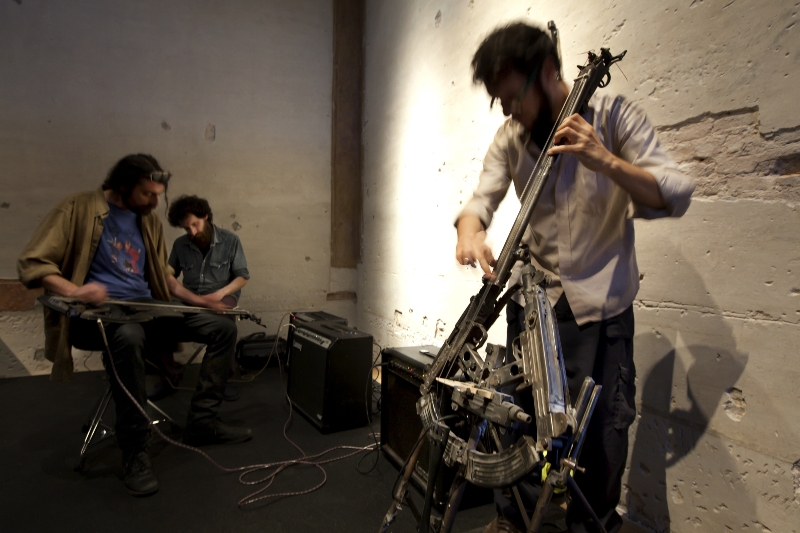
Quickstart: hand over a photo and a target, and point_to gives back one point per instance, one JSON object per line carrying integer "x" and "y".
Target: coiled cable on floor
{"x": 278, "y": 466}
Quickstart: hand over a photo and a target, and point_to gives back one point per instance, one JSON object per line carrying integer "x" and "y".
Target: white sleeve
{"x": 494, "y": 180}
{"x": 636, "y": 141}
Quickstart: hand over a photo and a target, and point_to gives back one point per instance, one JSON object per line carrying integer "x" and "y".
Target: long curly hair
{"x": 124, "y": 176}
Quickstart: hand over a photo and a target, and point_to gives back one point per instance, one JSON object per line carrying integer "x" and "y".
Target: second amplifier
{"x": 329, "y": 375}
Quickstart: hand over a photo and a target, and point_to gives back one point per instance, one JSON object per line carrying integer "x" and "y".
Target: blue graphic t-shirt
{"x": 119, "y": 261}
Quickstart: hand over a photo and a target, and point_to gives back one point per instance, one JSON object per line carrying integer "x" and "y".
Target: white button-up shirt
{"x": 581, "y": 232}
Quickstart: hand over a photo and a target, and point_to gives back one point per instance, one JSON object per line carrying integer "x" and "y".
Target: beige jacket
{"x": 64, "y": 244}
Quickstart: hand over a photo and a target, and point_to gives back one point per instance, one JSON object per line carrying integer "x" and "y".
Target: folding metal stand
{"x": 97, "y": 431}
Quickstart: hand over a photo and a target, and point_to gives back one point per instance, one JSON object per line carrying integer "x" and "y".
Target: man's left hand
{"x": 577, "y": 137}
{"x": 215, "y": 301}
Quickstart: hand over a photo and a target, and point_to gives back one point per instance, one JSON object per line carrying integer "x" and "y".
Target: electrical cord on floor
{"x": 276, "y": 467}
{"x": 376, "y": 387}
{"x": 166, "y": 378}
{"x": 86, "y": 359}
{"x": 368, "y": 398}
{"x": 251, "y": 377}
{"x": 245, "y": 379}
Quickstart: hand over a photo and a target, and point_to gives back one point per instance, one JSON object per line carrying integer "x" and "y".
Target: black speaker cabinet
{"x": 404, "y": 369}
{"x": 329, "y": 375}
{"x": 299, "y": 318}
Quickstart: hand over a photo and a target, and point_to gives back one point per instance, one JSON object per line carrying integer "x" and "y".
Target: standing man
{"x": 110, "y": 243}
{"x": 211, "y": 258}
{"x": 581, "y": 234}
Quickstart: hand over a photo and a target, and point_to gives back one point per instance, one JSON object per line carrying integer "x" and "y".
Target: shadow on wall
{"x": 667, "y": 433}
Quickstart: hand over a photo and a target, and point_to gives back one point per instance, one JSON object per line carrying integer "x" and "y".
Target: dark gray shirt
{"x": 223, "y": 263}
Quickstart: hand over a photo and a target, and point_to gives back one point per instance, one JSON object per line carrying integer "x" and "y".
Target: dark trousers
{"x": 604, "y": 351}
{"x": 131, "y": 342}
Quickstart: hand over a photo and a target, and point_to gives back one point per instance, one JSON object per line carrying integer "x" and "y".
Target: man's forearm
{"x": 234, "y": 285}
{"x": 639, "y": 183}
{"x": 469, "y": 225}
{"x": 182, "y": 293}
{"x": 58, "y": 285}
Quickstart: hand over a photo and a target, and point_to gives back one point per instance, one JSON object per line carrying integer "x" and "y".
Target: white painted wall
{"x": 718, "y": 314}
{"x": 85, "y": 82}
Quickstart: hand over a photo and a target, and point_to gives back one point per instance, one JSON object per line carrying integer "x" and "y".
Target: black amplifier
{"x": 329, "y": 375}
{"x": 305, "y": 317}
{"x": 404, "y": 371}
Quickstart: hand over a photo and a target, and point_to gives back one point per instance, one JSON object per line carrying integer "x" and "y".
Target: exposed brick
{"x": 15, "y": 297}
{"x": 728, "y": 156}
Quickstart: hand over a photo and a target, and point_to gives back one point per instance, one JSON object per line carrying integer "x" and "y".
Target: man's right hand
{"x": 472, "y": 247}
{"x": 92, "y": 292}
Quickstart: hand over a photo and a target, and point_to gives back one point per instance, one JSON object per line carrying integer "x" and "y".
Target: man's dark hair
{"x": 128, "y": 171}
{"x": 516, "y": 46}
{"x": 188, "y": 205}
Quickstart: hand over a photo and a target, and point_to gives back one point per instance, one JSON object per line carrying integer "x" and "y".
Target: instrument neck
{"x": 530, "y": 195}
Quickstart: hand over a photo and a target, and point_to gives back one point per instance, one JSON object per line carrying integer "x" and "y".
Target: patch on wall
{"x": 10, "y": 366}
{"x": 735, "y": 406}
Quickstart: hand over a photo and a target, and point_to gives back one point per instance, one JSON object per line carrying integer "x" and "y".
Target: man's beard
{"x": 203, "y": 239}
{"x": 141, "y": 210}
{"x": 543, "y": 126}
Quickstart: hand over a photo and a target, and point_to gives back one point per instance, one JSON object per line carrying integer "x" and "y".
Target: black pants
{"x": 129, "y": 343}
{"x": 604, "y": 351}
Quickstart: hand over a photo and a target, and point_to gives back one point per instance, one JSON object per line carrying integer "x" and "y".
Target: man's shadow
{"x": 696, "y": 368}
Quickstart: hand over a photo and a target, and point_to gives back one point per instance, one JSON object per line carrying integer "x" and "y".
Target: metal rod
{"x": 575, "y": 492}
{"x": 583, "y": 426}
{"x": 459, "y": 483}
{"x": 399, "y": 495}
{"x": 541, "y": 505}
{"x": 496, "y": 438}
{"x": 437, "y": 441}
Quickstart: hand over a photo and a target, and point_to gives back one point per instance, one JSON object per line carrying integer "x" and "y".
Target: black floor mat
{"x": 41, "y": 438}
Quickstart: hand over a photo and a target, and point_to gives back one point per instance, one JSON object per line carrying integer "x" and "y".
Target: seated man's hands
{"x": 215, "y": 301}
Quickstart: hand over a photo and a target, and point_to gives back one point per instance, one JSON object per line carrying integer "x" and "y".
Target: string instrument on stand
{"x": 119, "y": 311}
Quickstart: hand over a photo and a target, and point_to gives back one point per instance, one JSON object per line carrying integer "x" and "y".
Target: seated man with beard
{"x": 211, "y": 258}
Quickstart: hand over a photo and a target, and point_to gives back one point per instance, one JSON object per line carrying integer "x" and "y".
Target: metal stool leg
{"x": 195, "y": 354}
{"x": 92, "y": 435}
{"x": 97, "y": 421}
{"x": 162, "y": 413}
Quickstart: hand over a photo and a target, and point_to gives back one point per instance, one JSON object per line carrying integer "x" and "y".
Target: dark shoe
{"x": 214, "y": 432}
{"x": 231, "y": 393}
{"x": 140, "y": 478}
{"x": 502, "y": 525}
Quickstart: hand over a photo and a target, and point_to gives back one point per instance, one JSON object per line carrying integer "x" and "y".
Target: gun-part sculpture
{"x": 482, "y": 399}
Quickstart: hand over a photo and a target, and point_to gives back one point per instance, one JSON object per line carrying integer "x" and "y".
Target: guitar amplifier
{"x": 404, "y": 371}
{"x": 329, "y": 375}
{"x": 299, "y": 318}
